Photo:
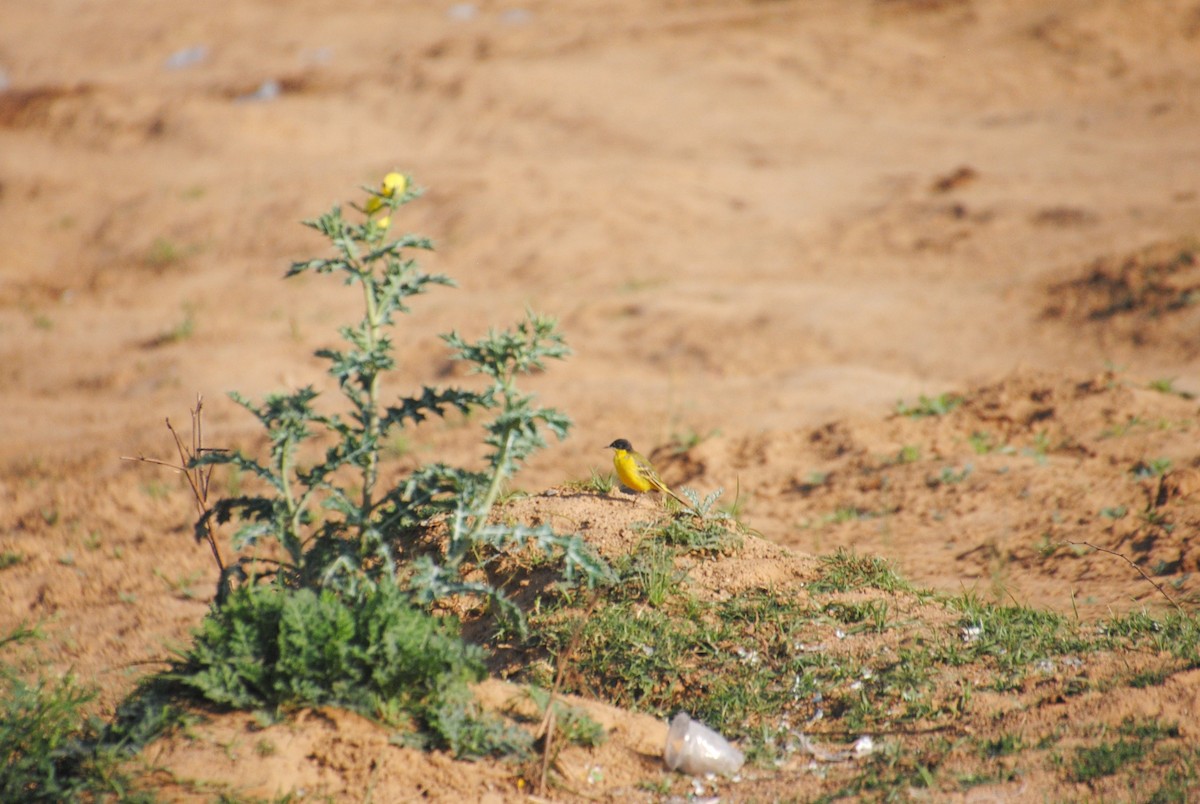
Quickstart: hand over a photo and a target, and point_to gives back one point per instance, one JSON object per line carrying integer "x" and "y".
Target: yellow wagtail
{"x": 637, "y": 473}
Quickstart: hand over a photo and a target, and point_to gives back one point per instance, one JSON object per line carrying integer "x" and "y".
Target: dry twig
{"x": 198, "y": 478}
{"x": 1141, "y": 571}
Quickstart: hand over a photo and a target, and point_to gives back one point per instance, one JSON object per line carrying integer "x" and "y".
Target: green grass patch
{"x": 51, "y": 745}
{"x": 929, "y": 406}
{"x": 846, "y": 570}
{"x": 1106, "y": 759}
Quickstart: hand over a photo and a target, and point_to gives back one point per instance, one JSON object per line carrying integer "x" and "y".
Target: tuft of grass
{"x": 868, "y": 616}
{"x": 1153, "y": 677}
{"x": 846, "y": 570}
{"x": 598, "y": 482}
{"x": 1014, "y": 639}
{"x": 50, "y": 744}
{"x": 184, "y": 329}
{"x": 181, "y": 587}
{"x": 707, "y": 658}
{"x": 165, "y": 253}
{"x": 1001, "y": 746}
{"x": 711, "y": 536}
{"x": 929, "y": 406}
{"x": 684, "y": 440}
{"x": 1176, "y": 633}
{"x": 1107, "y": 758}
{"x": 652, "y": 574}
{"x": 574, "y": 724}
{"x": 949, "y": 476}
{"x": 1166, "y": 385}
{"x": 984, "y": 443}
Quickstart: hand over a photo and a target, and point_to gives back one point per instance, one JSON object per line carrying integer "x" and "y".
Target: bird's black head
{"x": 621, "y": 443}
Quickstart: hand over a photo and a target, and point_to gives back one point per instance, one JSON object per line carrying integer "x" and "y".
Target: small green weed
{"x": 684, "y": 440}
{"x": 1001, "y": 746}
{"x": 1166, "y": 385}
{"x": 984, "y": 443}
{"x": 1041, "y": 447}
{"x": 574, "y": 724}
{"x": 1114, "y": 512}
{"x": 949, "y": 476}
{"x": 871, "y": 615}
{"x": 1125, "y": 427}
{"x": 50, "y": 746}
{"x": 1105, "y": 759}
{"x": 598, "y": 482}
{"x": 845, "y": 570}
{"x": 927, "y": 406}
{"x": 652, "y": 573}
{"x": 1157, "y": 467}
{"x": 815, "y": 480}
{"x": 1149, "y": 729}
{"x": 704, "y": 536}
{"x": 181, "y": 586}
{"x": 846, "y": 513}
{"x": 165, "y": 253}
{"x": 180, "y": 332}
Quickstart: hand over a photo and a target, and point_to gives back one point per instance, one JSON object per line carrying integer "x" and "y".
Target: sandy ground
{"x": 760, "y": 224}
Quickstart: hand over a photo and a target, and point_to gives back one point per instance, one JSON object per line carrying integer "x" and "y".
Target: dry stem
{"x": 1141, "y": 571}
{"x": 198, "y": 478}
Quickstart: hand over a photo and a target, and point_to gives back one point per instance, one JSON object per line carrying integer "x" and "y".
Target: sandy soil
{"x": 760, "y": 223}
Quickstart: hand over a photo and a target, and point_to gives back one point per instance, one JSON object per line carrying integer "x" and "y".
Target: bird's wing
{"x": 646, "y": 470}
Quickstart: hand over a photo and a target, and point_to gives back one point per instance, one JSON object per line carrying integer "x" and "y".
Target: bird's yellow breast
{"x": 629, "y": 473}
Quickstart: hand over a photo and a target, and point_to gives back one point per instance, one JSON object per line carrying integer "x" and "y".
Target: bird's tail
{"x": 689, "y": 506}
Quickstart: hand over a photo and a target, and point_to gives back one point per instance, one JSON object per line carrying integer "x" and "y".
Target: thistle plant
{"x": 336, "y": 525}
{"x": 336, "y": 609}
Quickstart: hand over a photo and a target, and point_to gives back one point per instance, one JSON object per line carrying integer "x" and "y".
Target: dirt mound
{"x": 1146, "y": 299}
{"x": 1000, "y": 487}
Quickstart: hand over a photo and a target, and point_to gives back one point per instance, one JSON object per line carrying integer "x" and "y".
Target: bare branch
{"x": 1141, "y": 571}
